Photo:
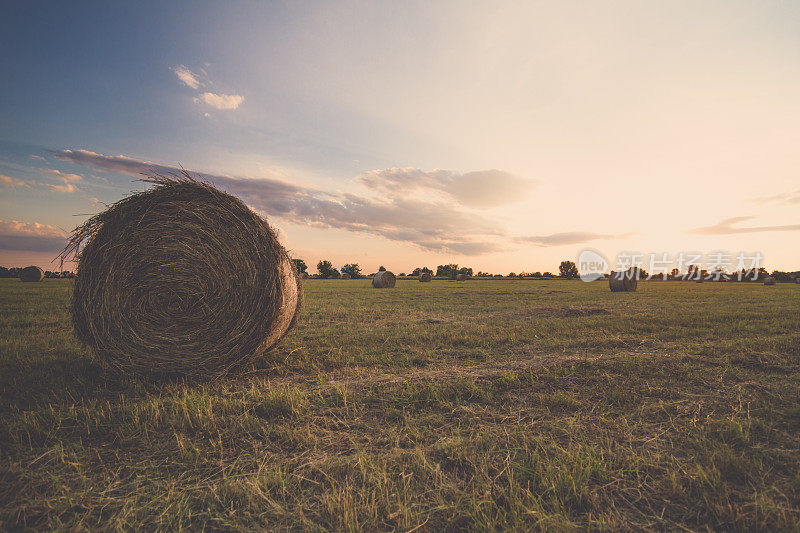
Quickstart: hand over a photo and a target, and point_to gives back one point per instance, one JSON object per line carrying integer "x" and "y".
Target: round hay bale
{"x": 181, "y": 278}
{"x": 461, "y": 277}
{"x": 345, "y": 275}
{"x": 383, "y": 280}
{"x": 31, "y": 274}
{"x": 769, "y": 281}
{"x": 623, "y": 281}
{"x": 425, "y": 277}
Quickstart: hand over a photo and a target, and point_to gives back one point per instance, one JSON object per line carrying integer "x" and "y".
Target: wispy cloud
{"x": 189, "y": 78}
{"x": 221, "y": 101}
{"x": 13, "y": 182}
{"x": 65, "y": 178}
{"x": 195, "y": 81}
{"x": 30, "y": 237}
{"x": 570, "y": 237}
{"x": 792, "y": 197}
{"x": 480, "y": 189}
{"x": 431, "y": 225}
{"x": 62, "y": 176}
{"x": 726, "y": 227}
{"x": 67, "y": 187}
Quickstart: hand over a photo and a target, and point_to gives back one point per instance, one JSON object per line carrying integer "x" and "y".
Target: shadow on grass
{"x": 65, "y": 379}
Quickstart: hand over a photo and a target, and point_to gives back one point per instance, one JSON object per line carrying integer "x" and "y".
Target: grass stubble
{"x": 486, "y": 405}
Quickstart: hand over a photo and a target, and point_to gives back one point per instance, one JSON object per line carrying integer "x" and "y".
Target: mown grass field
{"x": 443, "y": 406}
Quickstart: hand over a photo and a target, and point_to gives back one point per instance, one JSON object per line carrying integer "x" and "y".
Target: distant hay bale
{"x": 461, "y": 277}
{"x": 769, "y": 281}
{"x": 345, "y": 275}
{"x": 425, "y": 277}
{"x": 383, "y": 280}
{"x": 181, "y": 278}
{"x": 31, "y": 274}
{"x": 623, "y": 281}
{"x": 699, "y": 280}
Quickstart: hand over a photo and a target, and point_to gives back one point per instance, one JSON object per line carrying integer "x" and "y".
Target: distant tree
{"x": 568, "y": 270}
{"x": 674, "y": 274}
{"x": 512, "y": 275}
{"x": 537, "y": 275}
{"x": 301, "y": 266}
{"x": 466, "y": 271}
{"x": 447, "y": 271}
{"x": 326, "y": 270}
{"x": 401, "y": 274}
{"x": 417, "y": 271}
{"x": 548, "y": 275}
{"x": 353, "y": 269}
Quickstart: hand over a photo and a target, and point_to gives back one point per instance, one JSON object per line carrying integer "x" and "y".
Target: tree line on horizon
{"x": 566, "y": 270}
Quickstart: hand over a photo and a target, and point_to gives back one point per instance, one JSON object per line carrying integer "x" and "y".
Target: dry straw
{"x": 31, "y": 274}
{"x": 425, "y": 277}
{"x": 181, "y": 278}
{"x": 461, "y": 277}
{"x": 623, "y": 281}
{"x": 383, "y": 280}
{"x": 769, "y": 281}
{"x": 345, "y": 276}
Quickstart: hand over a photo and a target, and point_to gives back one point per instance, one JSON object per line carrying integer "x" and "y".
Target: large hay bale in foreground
{"x": 383, "y": 280}
{"x": 31, "y": 274}
{"x": 425, "y": 277}
{"x": 461, "y": 277}
{"x": 181, "y": 278}
{"x": 623, "y": 281}
{"x": 769, "y": 281}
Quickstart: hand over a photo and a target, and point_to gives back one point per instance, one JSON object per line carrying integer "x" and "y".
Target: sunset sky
{"x": 501, "y": 136}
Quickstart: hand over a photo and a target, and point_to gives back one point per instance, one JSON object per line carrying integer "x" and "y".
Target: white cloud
{"x": 431, "y": 225}
{"x": 221, "y": 101}
{"x": 30, "y": 236}
{"x": 188, "y": 77}
{"x": 67, "y": 187}
{"x": 481, "y": 189}
{"x": 12, "y": 182}
{"x": 570, "y": 237}
{"x": 62, "y": 176}
{"x": 792, "y": 197}
{"x": 726, "y": 227}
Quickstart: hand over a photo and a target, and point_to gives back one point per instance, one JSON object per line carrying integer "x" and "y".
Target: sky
{"x": 504, "y": 136}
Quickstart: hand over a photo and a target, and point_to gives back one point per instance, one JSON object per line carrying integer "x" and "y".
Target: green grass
{"x": 482, "y": 405}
